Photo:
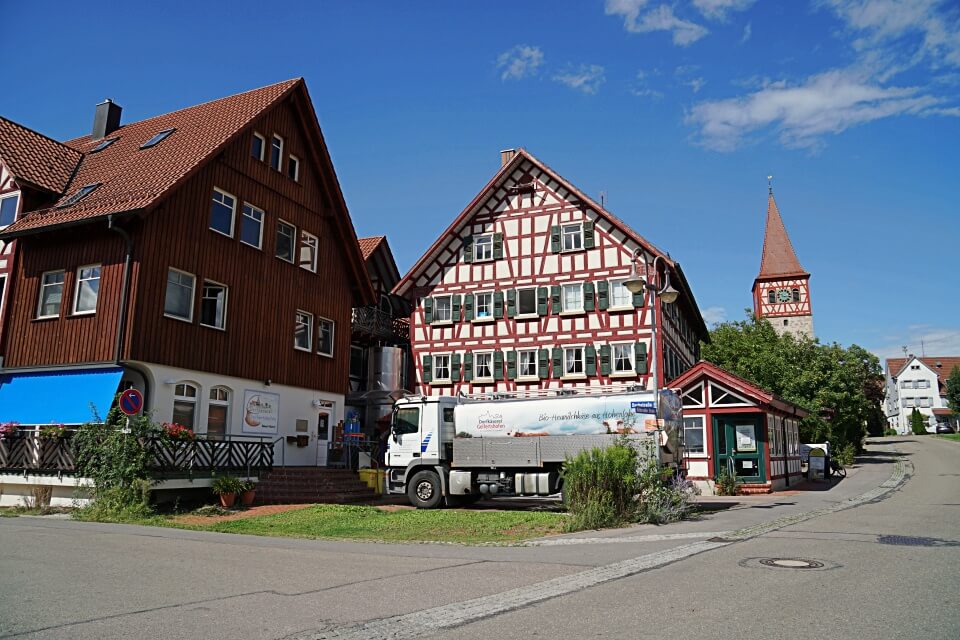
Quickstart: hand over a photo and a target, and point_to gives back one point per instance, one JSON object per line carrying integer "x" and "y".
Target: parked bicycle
{"x": 837, "y": 469}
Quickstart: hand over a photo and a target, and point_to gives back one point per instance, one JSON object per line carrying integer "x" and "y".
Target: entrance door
{"x": 739, "y": 446}
{"x": 324, "y": 420}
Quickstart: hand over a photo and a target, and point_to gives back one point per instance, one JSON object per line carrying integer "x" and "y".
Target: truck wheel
{"x": 424, "y": 491}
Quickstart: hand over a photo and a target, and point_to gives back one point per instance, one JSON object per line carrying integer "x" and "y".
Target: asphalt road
{"x": 886, "y": 542}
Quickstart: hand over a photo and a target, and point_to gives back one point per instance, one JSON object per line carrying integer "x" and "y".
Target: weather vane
{"x": 770, "y": 184}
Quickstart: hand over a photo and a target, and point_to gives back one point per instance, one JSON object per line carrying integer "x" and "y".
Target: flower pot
{"x": 227, "y": 500}
{"x": 246, "y": 498}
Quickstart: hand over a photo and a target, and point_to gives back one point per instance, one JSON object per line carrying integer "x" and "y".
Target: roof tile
{"x": 35, "y": 158}
{"x": 778, "y": 258}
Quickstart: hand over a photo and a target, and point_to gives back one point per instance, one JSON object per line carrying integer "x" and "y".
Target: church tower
{"x": 781, "y": 292}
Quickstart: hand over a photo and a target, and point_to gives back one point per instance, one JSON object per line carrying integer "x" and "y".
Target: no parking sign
{"x": 131, "y": 402}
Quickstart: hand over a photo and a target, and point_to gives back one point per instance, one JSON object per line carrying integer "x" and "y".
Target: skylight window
{"x": 157, "y": 139}
{"x": 81, "y": 193}
{"x": 103, "y": 145}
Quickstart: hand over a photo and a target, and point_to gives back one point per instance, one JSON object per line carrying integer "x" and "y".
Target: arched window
{"x": 771, "y": 296}
{"x": 796, "y": 295}
{"x": 184, "y": 404}
{"x": 218, "y": 411}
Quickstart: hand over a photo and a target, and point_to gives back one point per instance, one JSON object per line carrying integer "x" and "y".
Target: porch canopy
{"x": 67, "y": 396}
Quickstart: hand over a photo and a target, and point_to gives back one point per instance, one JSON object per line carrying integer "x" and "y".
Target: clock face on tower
{"x": 783, "y": 295}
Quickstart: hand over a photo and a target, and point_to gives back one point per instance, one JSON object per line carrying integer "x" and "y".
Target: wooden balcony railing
{"x": 377, "y": 323}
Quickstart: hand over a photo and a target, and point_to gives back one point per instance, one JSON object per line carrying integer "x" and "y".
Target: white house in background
{"x": 915, "y": 382}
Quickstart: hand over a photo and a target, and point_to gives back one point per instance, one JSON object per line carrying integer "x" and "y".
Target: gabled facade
{"x": 206, "y": 256}
{"x": 917, "y": 383}
{"x": 524, "y": 291}
{"x": 781, "y": 291}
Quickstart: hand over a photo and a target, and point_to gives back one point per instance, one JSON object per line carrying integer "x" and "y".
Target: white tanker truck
{"x": 455, "y": 449}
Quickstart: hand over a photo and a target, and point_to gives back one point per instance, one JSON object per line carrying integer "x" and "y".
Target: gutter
{"x": 125, "y": 289}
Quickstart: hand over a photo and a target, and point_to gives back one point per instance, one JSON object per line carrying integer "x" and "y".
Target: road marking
{"x": 428, "y": 621}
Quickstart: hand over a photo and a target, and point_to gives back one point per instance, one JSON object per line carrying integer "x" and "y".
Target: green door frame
{"x": 728, "y": 422}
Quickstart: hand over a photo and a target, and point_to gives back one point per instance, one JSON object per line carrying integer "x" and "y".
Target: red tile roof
{"x": 35, "y": 158}
{"x": 132, "y": 178}
{"x": 369, "y": 245}
{"x": 705, "y": 368}
{"x": 779, "y": 259}
{"x": 947, "y": 363}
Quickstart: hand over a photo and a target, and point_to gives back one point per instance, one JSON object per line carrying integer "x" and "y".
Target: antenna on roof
{"x": 770, "y": 185}
{"x": 904, "y": 347}
{"x": 603, "y": 199}
{"x": 923, "y": 351}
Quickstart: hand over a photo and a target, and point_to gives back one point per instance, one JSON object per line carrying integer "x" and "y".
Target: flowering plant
{"x": 176, "y": 431}
{"x": 53, "y": 431}
{"x": 9, "y": 429}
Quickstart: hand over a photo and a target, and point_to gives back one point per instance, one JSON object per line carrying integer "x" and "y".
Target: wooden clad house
{"x": 205, "y": 257}
{"x": 524, "y": 291}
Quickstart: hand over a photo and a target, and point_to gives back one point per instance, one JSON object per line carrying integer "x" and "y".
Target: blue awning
{"x": 58, "y": 396}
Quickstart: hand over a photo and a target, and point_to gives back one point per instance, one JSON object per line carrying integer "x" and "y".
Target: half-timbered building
{"x": 525, "y": 291}
{"x": 205, "y": 257}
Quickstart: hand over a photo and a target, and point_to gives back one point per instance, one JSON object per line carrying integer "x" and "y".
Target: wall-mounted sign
{"x": 746, "y": 437}
{"x": 261, "y": 412}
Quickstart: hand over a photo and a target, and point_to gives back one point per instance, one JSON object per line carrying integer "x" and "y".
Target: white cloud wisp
{"x": 662, "y": 18}
{"x": 519, "y": 62}
{"x": 585, "y": 78}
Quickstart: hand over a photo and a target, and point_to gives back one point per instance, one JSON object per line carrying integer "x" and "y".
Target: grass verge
{"x": 950, "y": 436}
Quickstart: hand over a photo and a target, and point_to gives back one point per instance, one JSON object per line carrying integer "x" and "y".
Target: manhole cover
{"x": 791, "y": 563}
{"x": 909, "y": 541}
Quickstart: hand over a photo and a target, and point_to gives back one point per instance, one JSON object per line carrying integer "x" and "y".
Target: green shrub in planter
{"x": 600, "y": 487}
{"x": 226, "y": 484}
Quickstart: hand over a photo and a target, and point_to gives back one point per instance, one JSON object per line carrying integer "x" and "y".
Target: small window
{"x": 178, "y": 302}
{"x": 87, "y": 289}
{"x": 213, "y": 306}
{"x": 358, "y": 362}
{"x": 572, "y": 298}
{"x": 694, "y": 436}
{"x": 79, "y": 195}
{"x": 771, "y": 296}
{"x": 303, "y": 333}
{"x": 251, "y": 226}
{"x": 441, "y": 367}
{"x": 484, "y": 305}
{"x": 286, "y": 240}
{"x": 103, "y": 145}
{"x": 573, "y": 361}
{"x": 622, "y": 355}
{"x": 448, "y": 415}
{"x": 620, "y": 296}
{"x": 184, "y": 404}
{"x": 293, "y": 167}
{"x": 276, "y": 152}
{"x": 325, "y": 337}
{"x": 483, "y": 366}
{"x": 157, "y": 139}
{"x": 51, "y": 294}
{"x": 223, "y": 206}
{"x": 442, "y": 309}
{"x": 572, "y": 237}
{"x": 8, "y": 209}
{"x": 527, "y": 363}
{"x": 527, "y": 301}
{"x": 308, "y": 251}
{"x": 217, "y": 410}
{"x": 483, "y": 248}
{"x": 796, "y": 295}
{"x": 257, "y": 146}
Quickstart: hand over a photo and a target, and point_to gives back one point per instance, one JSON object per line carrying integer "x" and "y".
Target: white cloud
{"x": 585, "y": 78}
{"x": 695, "y": 83}
{"x": 714, "y": 315}
{"x": 519, "y": 62}
{"x": 934, "y": 341}
{"x": 827, "y": 103}
{"x": 661, "y": 18}
{"x": 747, "y": 32}
{"x": 718, "y": 9}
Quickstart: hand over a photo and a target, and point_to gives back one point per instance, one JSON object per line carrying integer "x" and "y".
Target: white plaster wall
{"x": 17, "y": 490}
{"x": 932, "y": 391}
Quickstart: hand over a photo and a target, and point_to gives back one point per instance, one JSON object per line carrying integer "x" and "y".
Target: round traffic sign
{"x": 131, "y": 402}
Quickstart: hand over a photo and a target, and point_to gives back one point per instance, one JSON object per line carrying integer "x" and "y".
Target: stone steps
{"x": 304, "y": 485}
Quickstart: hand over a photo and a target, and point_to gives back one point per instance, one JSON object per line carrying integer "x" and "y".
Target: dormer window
{"x": 157, "y": 139}
{"x": 8, "y": 209}
{"x": 79, "y": 195}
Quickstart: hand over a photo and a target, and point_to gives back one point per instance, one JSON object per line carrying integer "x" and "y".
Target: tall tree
{"x": 953, "y": 390}
{"x": 917, "y": 423}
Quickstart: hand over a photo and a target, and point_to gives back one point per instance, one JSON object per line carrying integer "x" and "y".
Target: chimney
{"x": 506, "y": 156}
{"x": 106, "y": 119}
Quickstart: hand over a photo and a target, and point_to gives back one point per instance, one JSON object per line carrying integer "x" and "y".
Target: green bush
{"x": 845, "y": 455}
{"x": 663, "y": 497}
{"x": 227, "y": 484}
{"x": 917, "y": 423}
{"x": 890, "y": 432}
{"x": 725, "y": 484}
{"x": 600, "y": 487}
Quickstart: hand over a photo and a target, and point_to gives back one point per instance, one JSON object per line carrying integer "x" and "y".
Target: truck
{"x": 450, "y": 450}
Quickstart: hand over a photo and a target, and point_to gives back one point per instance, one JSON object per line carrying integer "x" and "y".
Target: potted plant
{"x": 9, "y": 430}
{"x": 178, "y": 432}
{"x": 725, "y": 484}
{"x": 227, "y": 488}
{"x": 248, "y": 490}
{"x": 53, "y": 432}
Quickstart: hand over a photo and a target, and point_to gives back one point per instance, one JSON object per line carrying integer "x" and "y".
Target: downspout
{"x": 125, "y": 288}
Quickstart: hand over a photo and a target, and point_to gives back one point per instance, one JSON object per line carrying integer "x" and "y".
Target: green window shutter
{"x": 543, "y": 364}
{"x": 555, "y": 298}
{"x": 455, "y": 306}
{"x": 590, "y": 356}
{"x": 638, "y": 299}
{"x": 468, "y": 366}
{"x": 511, "y": 365}
{"x": 557, "y": 362}
{"x": 468, "y": 307}
{"x": 603, "y": 295}
{"x": 542, "y": 295}
{"x": 498, "y": 305}
{"x": 498, "y": 365}
{"x": 427, "y": 369}
{"x": 589, "y": 241}
{"x": 640, "y": 356}
{"x": 468, "y": 249}
{"x": 497, "y": 246}
{"x": 511, "y": 303}
{"x": 588, "y": 297}
{"x": 555, "y": 239}
{"x": 455, "y": 368}
{"x": 605, "y": 368}
{"x": 428, "y": 310}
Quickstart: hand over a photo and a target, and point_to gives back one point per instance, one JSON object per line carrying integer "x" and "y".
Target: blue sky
{"x": 677, "y": 112}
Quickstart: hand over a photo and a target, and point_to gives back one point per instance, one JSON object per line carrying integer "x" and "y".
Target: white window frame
{"x": 294, "y": 241}
{"x": 309, "y": 332}
{"x": 476, "y": 366}
{"x": 583, "y": 363}
{"x": 312, "y": 266}
{"x": 217, "y": 402}
{"x": 476, "y": 244}
{"x": 449, "y": 376}
{"x": 263, "y": 146}
{"x": 77, "y": 285}
{"x": 193, "y": 294}
{"x": 613, "y": 306}
{"x": 563, "y": 299}
{"x": 528, "y": 314}
{"x": 16, "y": 211}
{"x": 536, "y": 365}
{"x": 226, "y": 300}
{"x": 243, "y": 221}
{"x": 476, "y": 306}
{"x": 436, "y": 307}
{"x": 296, "y": 173}
{"x": 333, "y": 336}
{"x": 279, "y": 166}
{"x": 909, "y": 403}
{"x": 563, "y": 236}
{"x": 44, "y": 285}
{"x": 631, "y": 358}
{"x": 194, "y": 400}
{"x": 703, "y": 431}
{"x": 233, "y": 212}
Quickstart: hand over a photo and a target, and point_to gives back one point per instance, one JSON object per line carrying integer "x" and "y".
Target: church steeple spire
{"x": 779, "y": 258}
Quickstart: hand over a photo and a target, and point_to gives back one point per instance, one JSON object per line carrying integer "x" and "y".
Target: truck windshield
{"x": 407, "y": 420}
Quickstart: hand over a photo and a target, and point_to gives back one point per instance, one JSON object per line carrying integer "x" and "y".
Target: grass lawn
{"x": 371, "y": 523}
{"x": 950, "y": 436}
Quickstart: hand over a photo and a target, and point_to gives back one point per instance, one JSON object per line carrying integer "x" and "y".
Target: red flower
{"x": 176, "y": 431}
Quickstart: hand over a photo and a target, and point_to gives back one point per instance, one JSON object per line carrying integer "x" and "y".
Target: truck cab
{"x": 422, "y": 432}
